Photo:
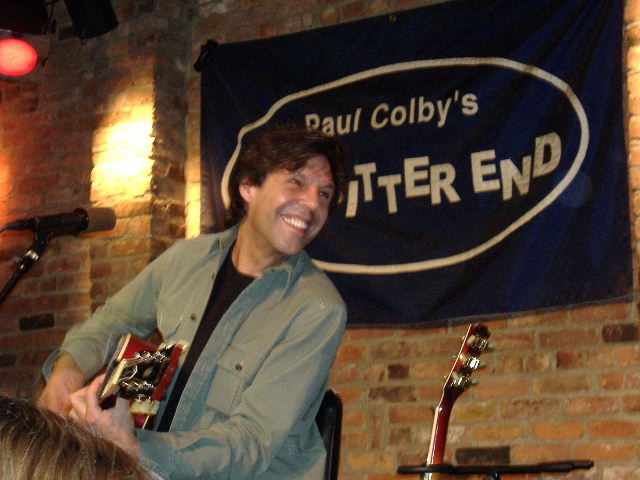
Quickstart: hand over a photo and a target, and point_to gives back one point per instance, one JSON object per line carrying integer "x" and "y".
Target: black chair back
{"x": 329, "y": 421}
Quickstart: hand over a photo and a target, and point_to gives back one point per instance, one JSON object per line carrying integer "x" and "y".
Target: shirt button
{"x": 193, "y": 316}
{"x": 238, "y": 366}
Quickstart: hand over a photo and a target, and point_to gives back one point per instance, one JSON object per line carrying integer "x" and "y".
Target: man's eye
{"x": 326, "y": 195}
{"x": 295, "y": 181}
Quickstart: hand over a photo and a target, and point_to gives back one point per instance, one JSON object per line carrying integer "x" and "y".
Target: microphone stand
{"x": 31, "y": 256}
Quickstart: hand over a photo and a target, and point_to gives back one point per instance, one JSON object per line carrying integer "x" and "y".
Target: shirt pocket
{"x": 235, "y": 371}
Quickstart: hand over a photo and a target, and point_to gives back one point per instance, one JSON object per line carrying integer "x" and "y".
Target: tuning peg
{"x": 470, "y": 362}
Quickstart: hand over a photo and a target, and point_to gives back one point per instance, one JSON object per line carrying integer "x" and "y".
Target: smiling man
{"x": 284, "y": 214}
{"x": 262, "y": 321}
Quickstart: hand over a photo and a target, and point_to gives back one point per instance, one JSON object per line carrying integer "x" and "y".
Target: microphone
{"x": 90, "y": 219}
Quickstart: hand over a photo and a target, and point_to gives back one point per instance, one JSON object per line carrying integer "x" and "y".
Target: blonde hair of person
{"x": 38, "y": 444}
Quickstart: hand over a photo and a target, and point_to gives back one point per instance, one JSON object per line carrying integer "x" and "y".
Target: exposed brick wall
{"x": 64, "y": 143}
{"x": 560, "y": 384}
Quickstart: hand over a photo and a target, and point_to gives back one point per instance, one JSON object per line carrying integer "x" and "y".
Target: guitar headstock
{"x": 141, "y": 373}
{"x": 467, "y": 361}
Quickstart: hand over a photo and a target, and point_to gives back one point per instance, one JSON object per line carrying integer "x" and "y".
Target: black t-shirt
{"x": 229, "y": 284}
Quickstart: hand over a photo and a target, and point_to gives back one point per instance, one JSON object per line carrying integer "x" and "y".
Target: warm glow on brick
{"x": 6, "y": 185}
{"x": 192, "y": 200}
{"x": 122, "y": 159}
{"x": 121, "y": 173}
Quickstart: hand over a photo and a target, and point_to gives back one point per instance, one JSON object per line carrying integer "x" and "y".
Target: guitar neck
{"x": 438, "y": 437}
{"x": 439, "y": 434}
{"x": 473, "y": 344}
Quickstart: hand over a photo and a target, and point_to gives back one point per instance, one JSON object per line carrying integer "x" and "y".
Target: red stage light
{"x": 17, "y": 57}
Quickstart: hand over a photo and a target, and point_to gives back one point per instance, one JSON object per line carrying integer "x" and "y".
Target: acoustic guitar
{"x": 140, "y": 372}
{"x": 467, "y": 361}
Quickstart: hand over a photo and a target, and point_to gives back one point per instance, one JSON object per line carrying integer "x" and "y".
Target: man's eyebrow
{"x": 330, "y": 184}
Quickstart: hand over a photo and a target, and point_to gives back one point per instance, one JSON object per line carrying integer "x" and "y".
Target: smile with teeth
{"x": 295, "y": 222}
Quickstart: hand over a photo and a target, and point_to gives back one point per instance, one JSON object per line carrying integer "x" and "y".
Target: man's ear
{"x": 246, "y": 190}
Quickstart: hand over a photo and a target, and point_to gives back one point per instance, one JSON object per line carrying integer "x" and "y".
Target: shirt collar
{"x": 291, "y": 266}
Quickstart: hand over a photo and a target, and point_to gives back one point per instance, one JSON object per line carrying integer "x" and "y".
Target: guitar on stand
{"x": 140, "y": 372}
{"x": 467, "y": 361}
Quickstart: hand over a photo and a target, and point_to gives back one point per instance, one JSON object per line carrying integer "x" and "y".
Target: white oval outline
{"x": 420, "y": 64}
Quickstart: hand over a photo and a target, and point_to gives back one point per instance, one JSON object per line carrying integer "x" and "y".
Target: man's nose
{"x": 311, "y": 197}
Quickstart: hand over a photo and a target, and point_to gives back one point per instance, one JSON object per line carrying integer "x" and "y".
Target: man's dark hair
{"x": 287, "y": 147}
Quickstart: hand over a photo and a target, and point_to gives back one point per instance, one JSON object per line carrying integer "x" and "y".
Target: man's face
{"x": 289, "y": 209}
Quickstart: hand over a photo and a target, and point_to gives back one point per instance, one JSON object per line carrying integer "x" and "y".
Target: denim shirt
{"x": 248, "y": 408}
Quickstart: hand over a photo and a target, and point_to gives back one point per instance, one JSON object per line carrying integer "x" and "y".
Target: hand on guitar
{"x": 114, "y": 423}
{"x": 65, "y": 379}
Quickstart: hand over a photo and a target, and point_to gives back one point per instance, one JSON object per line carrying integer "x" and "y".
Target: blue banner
{"x": 487, "y": 148}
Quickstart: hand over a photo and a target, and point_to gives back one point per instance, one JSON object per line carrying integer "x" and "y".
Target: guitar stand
{"x": 494, "y": 471}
